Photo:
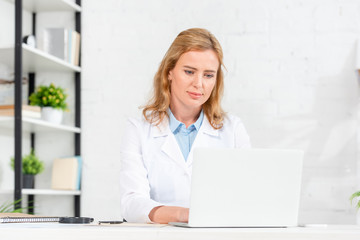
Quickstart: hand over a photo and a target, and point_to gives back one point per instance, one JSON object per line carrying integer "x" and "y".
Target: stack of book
{"x": 62, "y": 43}
{"x": 27, "y": 111}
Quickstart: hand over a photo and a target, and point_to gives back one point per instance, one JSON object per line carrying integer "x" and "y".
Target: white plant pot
{"x": 51, "y": 115}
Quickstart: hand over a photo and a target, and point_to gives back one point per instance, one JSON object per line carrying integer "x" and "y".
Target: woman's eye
{"x": 209, "y": 75}
{"x": 189, "y": 72}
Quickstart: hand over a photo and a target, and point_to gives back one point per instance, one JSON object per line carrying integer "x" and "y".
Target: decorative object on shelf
{"x": 52, "y": 100}
{"x": 31, "y": 165}
{"x": 66, "y": 173}
{"x": 62, "y": 43}
{"x": 7, "y": 90}
{"x": 30, "y": 40}
{"x": 52, "y": 115}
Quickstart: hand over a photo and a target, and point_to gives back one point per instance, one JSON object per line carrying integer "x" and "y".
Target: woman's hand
{"x": 166, "y": 214}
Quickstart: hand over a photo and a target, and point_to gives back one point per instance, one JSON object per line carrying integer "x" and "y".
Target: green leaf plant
{"x": 31, "y": 164}
{"x": 49, "y": 96}
{"x": 356, "y": 195}
{"x": 8, "y": 207}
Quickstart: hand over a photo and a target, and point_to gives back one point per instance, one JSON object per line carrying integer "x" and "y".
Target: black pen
{"x": 110, "y": 222}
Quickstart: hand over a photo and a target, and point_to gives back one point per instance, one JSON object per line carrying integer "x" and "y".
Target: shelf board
{"x": 27, "y": 191}
{"x": 50, "y": 192}
{"x": 49, "y": 5}
{"x": 35, "y": 60}
{"x": 37, "y": 125}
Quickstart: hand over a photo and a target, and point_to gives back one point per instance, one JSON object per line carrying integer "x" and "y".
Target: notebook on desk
{"x": 25, "y": 218}
{"x": 245, "y": 188}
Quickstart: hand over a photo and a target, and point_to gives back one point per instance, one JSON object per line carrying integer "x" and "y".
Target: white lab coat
{"x": 153, "y": 169}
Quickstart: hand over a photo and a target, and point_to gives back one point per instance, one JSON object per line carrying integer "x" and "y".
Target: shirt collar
{"x": 198, "y": 122}
{"x": 174, "y": 123}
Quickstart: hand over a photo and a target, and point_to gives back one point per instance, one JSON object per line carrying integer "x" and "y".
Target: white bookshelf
{"x": 37, "y": 125}
{"x": 32, "y": 61}
{"x": 27, "y": 191}
{"x": 35, "y": 60}
{"x": 49, "y": 5}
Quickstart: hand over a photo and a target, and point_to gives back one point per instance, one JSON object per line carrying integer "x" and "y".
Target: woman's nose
{"x": 198, "y": 81}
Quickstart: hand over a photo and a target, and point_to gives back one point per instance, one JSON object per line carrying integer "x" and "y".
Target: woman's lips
{"x": 195, "y": 95}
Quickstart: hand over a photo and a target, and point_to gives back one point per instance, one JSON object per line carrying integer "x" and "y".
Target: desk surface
{"x": 55, "y": 231}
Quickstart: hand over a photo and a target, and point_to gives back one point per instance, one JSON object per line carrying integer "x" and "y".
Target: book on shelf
{"x": 27, "y": 111}
{"x": 55, "y": 42}
{"x": 66, "y": 173}
{"x": 62, "y": 43}
{"x": 75, "y": 51}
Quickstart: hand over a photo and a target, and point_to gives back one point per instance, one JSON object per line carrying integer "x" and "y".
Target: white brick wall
{"x": 290, "y": 77}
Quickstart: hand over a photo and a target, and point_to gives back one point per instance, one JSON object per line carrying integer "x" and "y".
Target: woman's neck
{"x": 186, "y": 116}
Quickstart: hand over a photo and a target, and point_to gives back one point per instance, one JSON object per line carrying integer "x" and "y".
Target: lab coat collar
{"x": 163, "y": 129}
{"x": 171, "y": 147}
{"x": 201, "y": 139}
{"x": 208, "y": 129}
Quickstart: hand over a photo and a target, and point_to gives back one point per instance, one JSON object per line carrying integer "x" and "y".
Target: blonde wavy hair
{"x": 197, "y": 39}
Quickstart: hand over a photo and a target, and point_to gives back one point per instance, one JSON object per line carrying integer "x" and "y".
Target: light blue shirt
{"x": 185, "y": 136}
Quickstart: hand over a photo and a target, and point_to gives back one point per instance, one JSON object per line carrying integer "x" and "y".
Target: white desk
{"x": 88, "y": 232}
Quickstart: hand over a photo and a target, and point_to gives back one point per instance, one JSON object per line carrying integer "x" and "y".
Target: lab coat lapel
{"x": 172, "y": 149}
{"x": 202, "y": 138}
{"x": 170, "y": 146}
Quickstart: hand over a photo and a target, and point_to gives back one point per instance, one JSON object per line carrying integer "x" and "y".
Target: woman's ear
{"x": 170, "y": 75}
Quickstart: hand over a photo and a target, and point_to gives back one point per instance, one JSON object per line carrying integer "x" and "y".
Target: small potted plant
{"x": 52, "y": 101}
{"x": 31, "y": 165}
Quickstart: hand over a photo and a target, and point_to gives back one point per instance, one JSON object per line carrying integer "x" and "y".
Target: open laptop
{"x": 245, "y": 188}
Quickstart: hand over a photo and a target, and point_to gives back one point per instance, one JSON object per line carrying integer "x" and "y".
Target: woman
{"x": 184, "y": 113}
